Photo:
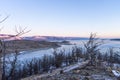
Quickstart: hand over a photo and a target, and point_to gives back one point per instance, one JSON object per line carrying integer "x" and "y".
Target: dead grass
{"x": 24, "y": 45}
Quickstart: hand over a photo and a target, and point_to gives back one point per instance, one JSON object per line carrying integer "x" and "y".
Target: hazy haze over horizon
{"x": 62, "y": 17}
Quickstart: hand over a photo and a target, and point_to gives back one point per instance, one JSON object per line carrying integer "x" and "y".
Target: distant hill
{"x": 39, "y": 38}
{"x": 116, "y": 39}
{"x": 51, "y": 38}
{"x": 9, "y": 37}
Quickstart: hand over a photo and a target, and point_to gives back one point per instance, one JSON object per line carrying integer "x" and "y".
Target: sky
{"x": 62, "y": 17}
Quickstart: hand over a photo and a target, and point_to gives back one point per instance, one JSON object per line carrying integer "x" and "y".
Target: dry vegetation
{"x": 86, "y": 73}
{"x": 24, "y": 45}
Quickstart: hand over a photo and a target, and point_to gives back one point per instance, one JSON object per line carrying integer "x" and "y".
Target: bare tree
{"x": 92, "y": 48}
{"x": 4, "y": 19}
{"x": 19, "y": 32}
{"x": 1, "y": 49}
{"x": 12, "y": 71}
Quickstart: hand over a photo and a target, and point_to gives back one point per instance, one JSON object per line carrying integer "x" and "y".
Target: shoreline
{"x": 27, "y": 45}
{"x": 45, "y": 46}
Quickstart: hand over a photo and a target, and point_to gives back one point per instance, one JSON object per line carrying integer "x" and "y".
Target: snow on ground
{"x": 116, "y": 73}
{"x": 78, "y": 65}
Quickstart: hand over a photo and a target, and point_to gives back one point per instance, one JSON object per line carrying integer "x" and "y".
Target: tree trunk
{"x": 0, "y": 75}
{"x": 1, "y": 65}
{"x": 0, "y": 69}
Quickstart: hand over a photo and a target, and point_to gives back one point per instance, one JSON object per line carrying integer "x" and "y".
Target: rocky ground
{"x": 87, "y": 73}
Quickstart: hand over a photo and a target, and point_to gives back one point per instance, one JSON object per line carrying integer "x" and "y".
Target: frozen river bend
{"x": 27, "y": 55}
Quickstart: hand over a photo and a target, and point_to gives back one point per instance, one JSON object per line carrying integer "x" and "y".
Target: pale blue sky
{"x": 62, "y": 17}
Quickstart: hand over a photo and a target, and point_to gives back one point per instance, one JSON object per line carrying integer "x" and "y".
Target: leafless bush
{"x": 77, "y": 53}
{"x": 92, "y": 48}
{"x": 58, "y": 58}
{"x": 110, "y": 56}
{"x": 46, "y": 62}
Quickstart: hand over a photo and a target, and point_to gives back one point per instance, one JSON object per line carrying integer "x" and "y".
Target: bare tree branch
{"x": 20, "y": 31}
{"x": 4, "y": 19}
{"x": 1, "y": 28}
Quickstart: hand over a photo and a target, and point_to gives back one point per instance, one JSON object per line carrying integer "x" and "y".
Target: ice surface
{"x": 39, "y": 53}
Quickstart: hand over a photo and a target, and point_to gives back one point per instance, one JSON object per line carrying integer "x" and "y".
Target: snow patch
{"x": 116, "y": 73}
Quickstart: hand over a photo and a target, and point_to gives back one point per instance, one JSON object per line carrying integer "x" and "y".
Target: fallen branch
{"x": 72, "y": 67}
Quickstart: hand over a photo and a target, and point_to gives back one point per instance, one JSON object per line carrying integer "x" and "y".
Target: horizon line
{"x": 61, "y": 36}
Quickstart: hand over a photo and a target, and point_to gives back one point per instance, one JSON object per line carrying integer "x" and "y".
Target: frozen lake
{"x": 39, "y": 53}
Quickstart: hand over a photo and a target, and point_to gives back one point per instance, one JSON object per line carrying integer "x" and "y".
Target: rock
{"x": 73, "y": 78}
{"x": 118, "y": 78}
{"x": 89, "y": 68}
{"x": 87, "y": 78}
{"x": 104, "y": 64}
{"x": 87, "y": 74}
{"x": 108, "y": 69}
{"x": 76, "y": 71}
{"x": 61, "y": 72}
{"x": 97, "y": 77}
{"x": 118, "y": 69}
